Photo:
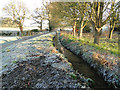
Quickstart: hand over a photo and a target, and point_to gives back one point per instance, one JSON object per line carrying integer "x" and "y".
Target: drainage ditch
{"x": 82, "y": 67}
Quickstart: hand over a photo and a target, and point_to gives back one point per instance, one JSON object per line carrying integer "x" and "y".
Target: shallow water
{"x": 82, "y": 67}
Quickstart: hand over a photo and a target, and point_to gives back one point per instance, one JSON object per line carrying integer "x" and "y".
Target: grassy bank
{"x": 105, "y": 46}
{"x": 103, "y": 57}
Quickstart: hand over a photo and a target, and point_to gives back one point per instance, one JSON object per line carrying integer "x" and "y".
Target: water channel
{"x": 82, "y": 67}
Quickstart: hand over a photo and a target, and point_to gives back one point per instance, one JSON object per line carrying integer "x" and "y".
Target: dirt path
{"x": 36, "y": 64}
{"x": 4, "y": 45}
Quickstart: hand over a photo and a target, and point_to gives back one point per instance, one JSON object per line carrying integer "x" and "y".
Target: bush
{"x": 35, "y": 30}
{"x": 86, "y": 29}
{"x": 18, "y": 33}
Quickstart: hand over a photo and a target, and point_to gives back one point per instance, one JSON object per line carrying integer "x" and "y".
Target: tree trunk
{"x": 82, "y": 25}
{"x": 74, "y": 28}
{"x": 110, "y": 34}
{"x": 111, "y": 30}
{"x": 50, "y": 28}
{"x": 41, "y": 25}
{"x": 96, "y": 37}
{"x": 81, "y": 31}
{"x": 21, "y": 29}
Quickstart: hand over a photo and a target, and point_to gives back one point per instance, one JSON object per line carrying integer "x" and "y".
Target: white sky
{"x": 30, "y": 4}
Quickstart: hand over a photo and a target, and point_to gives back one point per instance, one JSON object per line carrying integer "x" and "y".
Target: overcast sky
{"x": 30, "y": 4}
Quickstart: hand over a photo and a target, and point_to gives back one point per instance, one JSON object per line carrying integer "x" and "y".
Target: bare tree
{"x": 18, "y": 13}
{"x": 97, "y": 16}
{"x": 41, "y": 14}
{"x": 7, "y": 22}
{"x": 38, "y": 16}
{"x": 83, "y": 16}
{"x": 114, "y": 19}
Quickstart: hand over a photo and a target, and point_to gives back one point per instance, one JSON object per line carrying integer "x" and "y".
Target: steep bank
{"x": 108, "y": 70}
{"x": 82, "y": 67}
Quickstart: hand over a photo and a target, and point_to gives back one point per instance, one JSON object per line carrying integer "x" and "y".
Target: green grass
{"x": 90, "y": 82}
{"x": 8, "y": 50}
{"x": 14, "y": 62}
{"x": 4, "y": 66}
{"x": 73, "y": 75}
{"x": 110, "y": 45}
{"x": 51, "y": 44}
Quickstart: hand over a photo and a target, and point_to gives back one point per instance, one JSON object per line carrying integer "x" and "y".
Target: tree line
{"x": 75, "y": 14}
{"x": 95, "y": 13}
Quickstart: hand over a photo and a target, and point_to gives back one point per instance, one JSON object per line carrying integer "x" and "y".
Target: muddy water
{"x": 82, "y": 67}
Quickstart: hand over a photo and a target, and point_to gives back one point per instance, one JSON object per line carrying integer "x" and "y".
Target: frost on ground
{"x": 106, "y": 64}
{"x": 35, "y": 63}
{"x": 5, "y": 39}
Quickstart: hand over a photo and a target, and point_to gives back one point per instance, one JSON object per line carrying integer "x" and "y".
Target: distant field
{"x": 16, "y": 29}
{"x": 6, "y": 39}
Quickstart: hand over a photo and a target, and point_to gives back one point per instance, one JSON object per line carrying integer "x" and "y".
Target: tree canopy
{"x": 98, "y": 13}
